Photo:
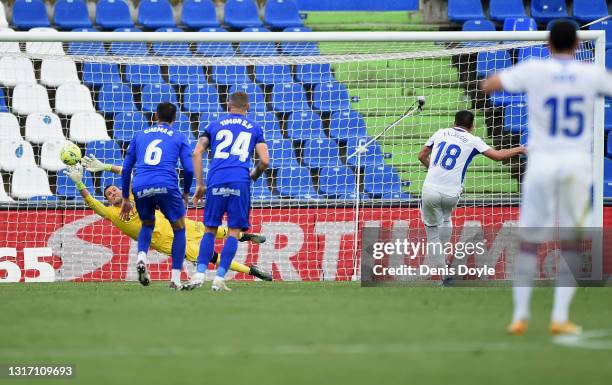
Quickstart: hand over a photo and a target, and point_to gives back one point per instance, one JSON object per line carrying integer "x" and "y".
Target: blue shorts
{"x": 168, "y": 200}
{"x": 231, "y": 198}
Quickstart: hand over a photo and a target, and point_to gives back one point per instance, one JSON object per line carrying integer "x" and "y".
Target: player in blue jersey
{"x": 232, "y": 140}
{"x": 153, "y": 154}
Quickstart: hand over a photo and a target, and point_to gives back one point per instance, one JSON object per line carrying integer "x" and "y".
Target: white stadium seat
{"x": 30, "y": 182}
{"x": 3, "y": 195}
{"x": 9, "y": 126}
{"x": 41, "y": 126}
{"x": 72, "y": 98}
{"x": 47, "y": 48}
{"x": 29, "y": 98}
{"x": 3, "y": 21}
{"x": 9, "y": 46}
{"x": 88, "y": 126}
{"x": 58, "y": 71}
{"x": 15, "y": 153}
{"x": 15, "y": 70}
{"x": 50, "y": 155}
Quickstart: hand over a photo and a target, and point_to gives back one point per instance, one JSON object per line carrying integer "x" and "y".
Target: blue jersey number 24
{"x": 573, "y": 118}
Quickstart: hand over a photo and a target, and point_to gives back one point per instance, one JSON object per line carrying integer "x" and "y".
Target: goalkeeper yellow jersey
{"x": 162, "y": 233}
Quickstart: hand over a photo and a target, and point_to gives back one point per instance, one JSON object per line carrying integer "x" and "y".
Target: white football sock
{"x": 176, "y": 276}
{"x": 563, "y": 300}
{"x": 435, "y": 249}
{"x": 566, "y": 285}
{"x": 142, "y": 256}
{"x": 446, "y": 231}
{"x": 525, "y": 266}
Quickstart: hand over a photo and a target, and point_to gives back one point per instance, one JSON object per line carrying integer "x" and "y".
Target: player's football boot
{"x": 517, "y": 328}
{"x": 255, "y": 238}
{"x": 143, "y": 274}
{"x": 256, "y": 271}
{"x": 565, "y": 329}
{"x": 218, "y": 284}
{"x": 196, "y": 281}
{"x": 174, "y": 286}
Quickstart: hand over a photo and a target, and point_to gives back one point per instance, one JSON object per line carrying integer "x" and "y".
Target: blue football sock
{"x": 207, "y": 249}
{"x": 144, "y": 238}
{"x": 179, "y": 245}
{"x": 227, "y": 256}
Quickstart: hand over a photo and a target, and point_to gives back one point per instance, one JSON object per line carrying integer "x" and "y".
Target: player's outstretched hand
{"x": 126, "y": 208}
{"x": 92, "y": 164}
{"x": 199, "y": 194}
{"x": 75, "y": 173}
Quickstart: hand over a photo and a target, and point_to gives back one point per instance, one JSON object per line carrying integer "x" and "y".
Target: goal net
{"x": 319, "y": 99}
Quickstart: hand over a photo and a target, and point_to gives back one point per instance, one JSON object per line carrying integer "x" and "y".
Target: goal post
{"x": 319, "y": 95}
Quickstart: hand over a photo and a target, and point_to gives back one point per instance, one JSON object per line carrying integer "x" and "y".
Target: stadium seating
{"x": 269, "y": 123}
{"x": 499, "y": 10}
{"x": 608, "y": 114}
{"x": 524, "y": 24}
{"x": 372, "y": 157}
{"x": 128, "y": 123}
{"x": 30, "y": 14}
{"x": 55, "y": 72}
{"x": 50, "y": 154}
{"x": 3, "y": 106}
{"x": 347, "y": 124}
{"x": 332, "y": 96}
{"x": 248, "y": 48}
{"x": 4, "y": 197}
{"x": 205, "y": 118}
{"x": 313, "y": 73}
{"x": 552, "y": 22}
{"x": 503, "y": 98}
{"x": 337, "y": 182}
{"x": 153, "y": 14}
{"x": 515, "y": 118}
{"x": 478, "y": 25}
{"x": 199, "y": 98}
{"x": 109, "y": 178}
{"x": 186, "y": 74}
{"x": 113, "y": 14}
{"x": 607, "y": 177}
{"x": 463, "y": 10}
{"x": 29, "y": 182}
{"x": 182, "y": 124}
{"x": 383, "y": 182}
{"x": 87, "y": 126}
{"x": 257, "y": 99}
{"x": 545, "y": 10}
{"x": 293, "y": 48}
{"x": 15, "y": 153}
{"x": 295, "y": 182}
{"x": 96, "y": 75}
{"x": 9, "y": 46}
{"x": 141, "y": 74}
{"x": 72, "y": 98}
{"x": 272, "y": 74}
{"x": 605, "y": 25}
{"x": 214, "y": 48}
{"x": 66, "y": 189}
{"x": 14, "y": 70}
{"x": 178, "y": 49}
{"x": 304, "y": 125}
{"x": 3, "y": 20}
{"x": 129, "y": 48}
{"x": 9, "y": 126}
{"x": 198, "y": 14}
{"x": 114, "y": 98}
{"x": 289, "y": 97}
{"x": 228, "y": 75}
{"x": 608, "y": 59}
{"x": 70, "y": 14}
{"x": 29, "y": 98}
{"x": 321, "y": 153}
{"x": 490, "y": 62}
{"x": 533, "y": 52}
{"x": 280, "y": 14}
{"x": 584, "y": 52}
{"x": 609, "y": 147}
{"x": 281, "y": 153}
{"x": 106, "y": 151}
{"x": 153, "y": 94}
{"x": 241, "y": 14}
{"x": 86, "y": 48}
{"x": 44, "y": 48}
{"x": 589, "y": 10}
{"x": 260, "y": 190}
{"x": 40, "y": 127}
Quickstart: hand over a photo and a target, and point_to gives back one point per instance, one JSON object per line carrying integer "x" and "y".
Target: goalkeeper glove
{"x": 75, "y": 173}
{"x": 92, "y": 164}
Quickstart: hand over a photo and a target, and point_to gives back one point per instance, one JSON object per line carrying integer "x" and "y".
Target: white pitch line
{"x": 593, "y": 339}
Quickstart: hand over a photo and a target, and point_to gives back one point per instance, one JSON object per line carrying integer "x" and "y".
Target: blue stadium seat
{"x": 524, "y": 24}
{"x": 153, "y": 14}
{"x": 584, "y": 52}
{"x": 30, "y": 14}
{"x": 281, "y": 153}
{"x": 183, "y": 124}
{"x": 114, "y": 98}
{"x": 383, "y": 182}
{"x": 206, "y": 117}
{"x": 250, "y": 48}
{"x": 112, "y": 14}
{"x": 589, "y": 10}
{"x": 95, "y": 48}
{"x": 289, "y": 97}
{"x": 3, "y": 105}
{"x": 552, "y": 22}
{"x": 605, "y": 25}
{"x": 321, "y": 153}
{"x": 509, "y": 24}
{"x": 305, "y": 125}
{"x": 504, "y": 98}
{"x": 295, "y": 182}
{"x": 227, "y": 75}
{"x": 478, "y": 25}
{"x": 214, "y": 48}
{"x": 241, "y": 14}
{"x": 260, "y": 190}
{"x": 153, "y": 94}
{"x": 66, "y": 189}
{"x": 199, "y": 98}
{"x": 499, "y": 10}
{"x": 347, "y": 124}
{"x": 109, "y": 178}
{"x": 490, "y": 62}
{"x": 186, "y": 74}
{"x": 140, "y": 74}
{"x": 129, "y": 48}
{"x": 269, "y": 123}
{"x": 373, "y": 155}
{"x": 337, "y": 182}
{"x": 607, "y": 178}
{"x": 179, "y": 48}
{"x": 198, "y": 14}
{"x": 609, "y": 59}
{"x": 609, "y": 147}
{"x": 273, "y": 74}
{"x": 332, "y": 96}
{"x": 515, "y": 118}
{"x": 608, "y": 114}
{"x": 536, "y": 51}
{"x": 106, "y": 151}
{"x": 257, "y": 99}
{"x": 280, "y": 14}
{"x": 299, "y": 48}
{"x": 313, "y": 73}
{"x": 464, "y": 10}
{"x": 126, "y": 124}
{"x": 97, "y": 74}
{"x": 70, "y": 14}
{"x": 545, "y": 10}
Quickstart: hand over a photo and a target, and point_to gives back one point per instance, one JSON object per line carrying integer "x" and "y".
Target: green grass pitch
{"x": 295, "y": 333}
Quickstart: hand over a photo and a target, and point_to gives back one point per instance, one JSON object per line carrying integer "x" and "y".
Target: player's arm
{"x": 198, "y": 168}
{"x": 75, "y": 173}
{"x": 514, "y": 79}
{"x": 492, "y": 84}
{"x": 126, "y": 180}
{"x": 93, "y": 164}
{"x": 261, "y": 149}
{"x": 506, "y": 153}
{"x": 187, "y": 163}
{"x": 424, "y": 155}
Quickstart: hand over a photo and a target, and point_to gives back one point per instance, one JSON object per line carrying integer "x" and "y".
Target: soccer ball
{"x": 70, "y": 154}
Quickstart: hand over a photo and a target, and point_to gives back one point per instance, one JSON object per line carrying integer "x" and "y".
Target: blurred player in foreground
{"x": 162, "y": 237}
{"x": 557, "y": 187}
{"x": 232, "y": 140}
{"x": 447, "y": 156}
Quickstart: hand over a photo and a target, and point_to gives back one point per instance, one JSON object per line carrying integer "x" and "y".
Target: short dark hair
{"x": 563, "y": 35}
{"x": 239, "y": 99}
{"x": 166, "y": 112}
{"x": 464, "y": 118}
{"x": 106, "y": 189}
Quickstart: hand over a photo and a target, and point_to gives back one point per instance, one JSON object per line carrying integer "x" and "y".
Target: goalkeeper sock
{"x": 525, "y": 266}
{"x": 144, "y": 238}
{"x": 227, "y": 255}
{"x": 179, "y": 244}
{"x": 207, "y": 249}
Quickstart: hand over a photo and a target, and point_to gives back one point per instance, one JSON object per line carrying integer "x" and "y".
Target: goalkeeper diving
{"x": 162, "y": 233}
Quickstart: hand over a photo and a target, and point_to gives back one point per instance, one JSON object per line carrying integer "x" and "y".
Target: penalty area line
{"x": 592, "y": 339}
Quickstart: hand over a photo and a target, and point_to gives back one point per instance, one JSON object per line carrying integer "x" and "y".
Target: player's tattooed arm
{"x": 424, "y": 156}
{"x": 198, "y": 169}
{"x": 263, "y": 160}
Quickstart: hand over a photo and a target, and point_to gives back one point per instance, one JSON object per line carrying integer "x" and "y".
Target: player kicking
{"x": 558, "y": 181}
{"x": 232, "y": 140}
{"x": 162, "y": 233}
{"x": 447, "y": 156}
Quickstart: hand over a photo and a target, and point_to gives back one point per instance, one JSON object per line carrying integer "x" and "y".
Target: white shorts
{"x": 436, "y": 208}
{"x": 557, "y": 192}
